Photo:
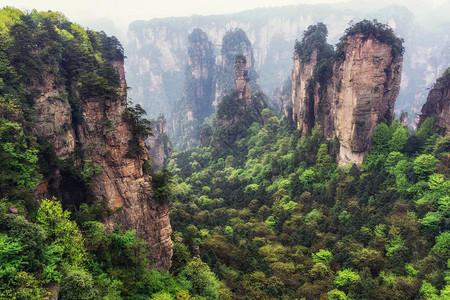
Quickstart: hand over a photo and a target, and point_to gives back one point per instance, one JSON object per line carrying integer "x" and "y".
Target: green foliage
{"x": 32, "y": 238}
{"x": 398, "y": 140}
{"x": 197, "y": 278}
{"x": 141, "y": 129}
{"x": 62, "y": 232}
{"x": 337, "y": 295}
{"x": 442, "y": 245}
{"x": 424, "y": 165}
{"x": 313, "y": 215}
{"x": 161, "y": 185}
{"x": 314, "y": 38}
{"x": 346, "y": 277}
{"x": 17, "y": 159}
{"x": 427, "y": 129}
{"x": 77, "y": 285}
{"x": 394, "y": 245}
{"x": 11, "y": 262}
{"x": 381, "y": 138}
{"x": 323, "y": 256}
{"x": 284, "y": 201}
{"x": 89, "y": 169}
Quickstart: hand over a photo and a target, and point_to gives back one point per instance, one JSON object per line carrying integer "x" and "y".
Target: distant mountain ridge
{"x": 157, "y": 49}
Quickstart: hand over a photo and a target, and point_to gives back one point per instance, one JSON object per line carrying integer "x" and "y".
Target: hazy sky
{"x": 145, "y": 10}
{"x": 101, "y": 13}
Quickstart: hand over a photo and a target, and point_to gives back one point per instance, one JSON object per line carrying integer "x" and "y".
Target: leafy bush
{"x": 77, "y": 285}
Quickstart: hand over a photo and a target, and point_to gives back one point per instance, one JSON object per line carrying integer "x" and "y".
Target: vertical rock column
{"x": 364, "y": 89}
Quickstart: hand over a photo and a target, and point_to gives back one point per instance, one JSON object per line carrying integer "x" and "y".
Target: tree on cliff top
{"x": 381, "y": 32}
{"x": 314, "y": 38}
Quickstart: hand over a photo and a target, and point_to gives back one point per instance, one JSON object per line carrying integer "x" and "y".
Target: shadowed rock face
{"x": 361, "y": 92}
{"x": 105, "y": 136}
{"x": 438, "y": 104}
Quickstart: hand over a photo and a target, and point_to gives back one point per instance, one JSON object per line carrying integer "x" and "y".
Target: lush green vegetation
{"x": 260, "y": 213}
{"x": 42, "y": 244}
{"x": 275, "y": 218}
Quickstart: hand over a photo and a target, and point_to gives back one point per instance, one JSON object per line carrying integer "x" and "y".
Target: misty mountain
{"x": 157, "y": 49}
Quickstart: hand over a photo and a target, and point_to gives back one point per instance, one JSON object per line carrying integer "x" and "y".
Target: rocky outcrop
{"x": 122, "y": 185}
{"x": 242, "y": 81}
{"x": 104, "y": 137}
{"x": 359, "y": 93}
{"x": 438, "y": 104}
{"x": 283, "y": 97}
{"x": 158, "y": 144}
{"x": 157, "y": 50}
{"x": 364, "y": 88}
{"x": 235, "y": 43}
{"x": 236, "y": 111}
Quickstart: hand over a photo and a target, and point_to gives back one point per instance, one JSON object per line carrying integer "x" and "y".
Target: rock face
{"x": 438, "y": 104}
{"x": 302, "y": 105}
{"x": 53, "y": 118}
{"x": 199, "y": 89}
{"x": 104, "y": 138}
{"x": 159, "y": 144}
{"x": 361, "y": 92}
{"x": 364, "y": 89}
{"x": 242, "y": 81}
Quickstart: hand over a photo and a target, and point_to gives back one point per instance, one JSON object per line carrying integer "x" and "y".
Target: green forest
{"x": 270, "y": 216}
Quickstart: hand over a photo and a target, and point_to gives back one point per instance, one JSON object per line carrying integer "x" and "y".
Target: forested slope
{"x": 276, "y": 219}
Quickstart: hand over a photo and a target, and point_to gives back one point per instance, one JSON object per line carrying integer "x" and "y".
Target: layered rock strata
{"x": 363, "y": 92}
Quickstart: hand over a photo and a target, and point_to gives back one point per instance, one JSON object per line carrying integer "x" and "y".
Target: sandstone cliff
{"x": 103, "y": 137}
{"x": 364, "y": 88}
{"x": 349, "y": 97}
{"x": 438, "y": 104}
